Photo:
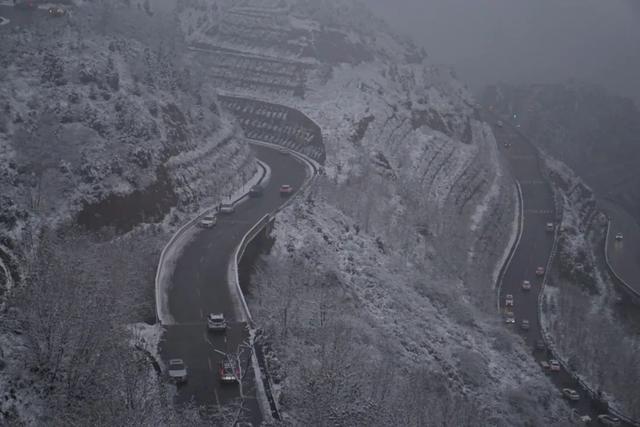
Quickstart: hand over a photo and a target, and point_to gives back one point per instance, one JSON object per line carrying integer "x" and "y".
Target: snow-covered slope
{"x": 105, "y": 130}
{"x": 396, "y": 254}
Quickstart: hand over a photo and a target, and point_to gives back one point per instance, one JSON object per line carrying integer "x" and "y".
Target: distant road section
{"x": 624, "y": 255}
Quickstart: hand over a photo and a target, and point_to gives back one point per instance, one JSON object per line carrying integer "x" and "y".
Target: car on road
{"x": 499, "y": 123}
{"x": 208, "y": 221}
{"x": 554, "y": 365}
{"x": 608, "y": 420}
{"x": 56, "y": 12}
{"x": 526, "y": 285}
{"x": 619, "y": 236}
{"x": 507, "y": 145}
{"x": 227, "y": 373}
{"x": 216, "y": 322}
{"x": 544, "y": 364}
{"x": 550, "y": 227}
{"x": 256, "y": 191}
{"x": 508, "y": 300}
{"x": 540, "y": 271}
{"x": 570, "y": 394}
{"x": 524, "y": 325}
{"x": 177, "y": 370}
{"x": 227, "y": 208}
{"x": 509, "y": 319}
{"x": 286, "y": 190}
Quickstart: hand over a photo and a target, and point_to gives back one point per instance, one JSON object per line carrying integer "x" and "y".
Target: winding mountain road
{"x": 533, "y": 250}
{"x": 199, "y": 285}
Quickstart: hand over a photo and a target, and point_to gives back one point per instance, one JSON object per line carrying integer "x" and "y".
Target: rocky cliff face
{"x": 596, "y": 134}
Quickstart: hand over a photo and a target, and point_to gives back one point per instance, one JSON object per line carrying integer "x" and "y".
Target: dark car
{"x": 256, "y": 191}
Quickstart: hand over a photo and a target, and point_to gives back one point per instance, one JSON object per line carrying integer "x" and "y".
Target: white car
{"x": 619, "y": 236}
{"x": 508, "y": 300}
{"x": 550, "y": 227}
{"x": 526, "y": 285}
{"x": 227, "y": 208}
{"x": 208, "y": 221}
{"x": 570, "y": 394}
{"x": 177, "y": 371}
{"x": 216, "y": 322}
{"x": 554, "y": 365}
{"x": 540, "y": 271}
{"x": 509, "y": 319}
{"x": 545, "y": 364}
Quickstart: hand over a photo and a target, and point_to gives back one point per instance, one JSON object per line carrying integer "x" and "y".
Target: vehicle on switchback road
{"x": 508, "y": 300}
{"x": 208, "y": 221}
{"x": 550, "y": 227}
{"x": 227, "y": 208}
{"x": 177, "y": 370}
{"x": 570, "y": 394}
{"x": 216, "y": 322}
{"x": 256, "y": 191}
{"x": 227, "y": 373}
{"x": 509, "y": 319}
{"x": 554, "y": 365}
{"x": 619, "y": 236}
{"x": 56, "y": 12}
{"x": 526, "y": 285}
{"x": 286, "y": 190}
{"x": 540, "y": 271}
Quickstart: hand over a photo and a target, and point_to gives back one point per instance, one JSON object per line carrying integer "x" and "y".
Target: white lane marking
{"x": 210, "y": 364}
{"x": 198, "y": 292}
{"x": 201, "y": 314}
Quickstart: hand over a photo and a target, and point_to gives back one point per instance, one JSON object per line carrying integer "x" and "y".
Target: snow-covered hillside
{"x": 104, "y": 130}
{"x": 393, "y": 260}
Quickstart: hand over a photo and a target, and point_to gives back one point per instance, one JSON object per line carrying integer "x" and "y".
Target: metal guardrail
{"x": 512, "y": 251}
{"x": 239, "y": 252}
{"x": 179, "y": 233}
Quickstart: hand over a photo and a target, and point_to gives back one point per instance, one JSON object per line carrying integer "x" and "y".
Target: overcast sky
{"x": 487, "y": 41}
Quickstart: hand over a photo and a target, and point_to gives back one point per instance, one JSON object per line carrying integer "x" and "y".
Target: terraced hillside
{"x": 414, "y": 211}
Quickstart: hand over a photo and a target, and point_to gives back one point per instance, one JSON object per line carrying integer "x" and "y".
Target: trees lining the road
{"x": 78, "y": 357}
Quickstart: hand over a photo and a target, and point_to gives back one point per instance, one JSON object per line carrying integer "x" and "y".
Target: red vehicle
{"x": 286, "y": 190}
{"x": 227, "y": 373}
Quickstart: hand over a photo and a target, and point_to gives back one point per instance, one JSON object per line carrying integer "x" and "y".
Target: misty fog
{"x": 522, "y": 41}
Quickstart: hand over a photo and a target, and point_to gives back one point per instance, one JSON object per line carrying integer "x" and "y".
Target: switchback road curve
{"x": 199, "y": 286}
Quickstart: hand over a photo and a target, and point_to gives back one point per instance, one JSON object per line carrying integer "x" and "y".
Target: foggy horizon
{"x": 527, "y": 42}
